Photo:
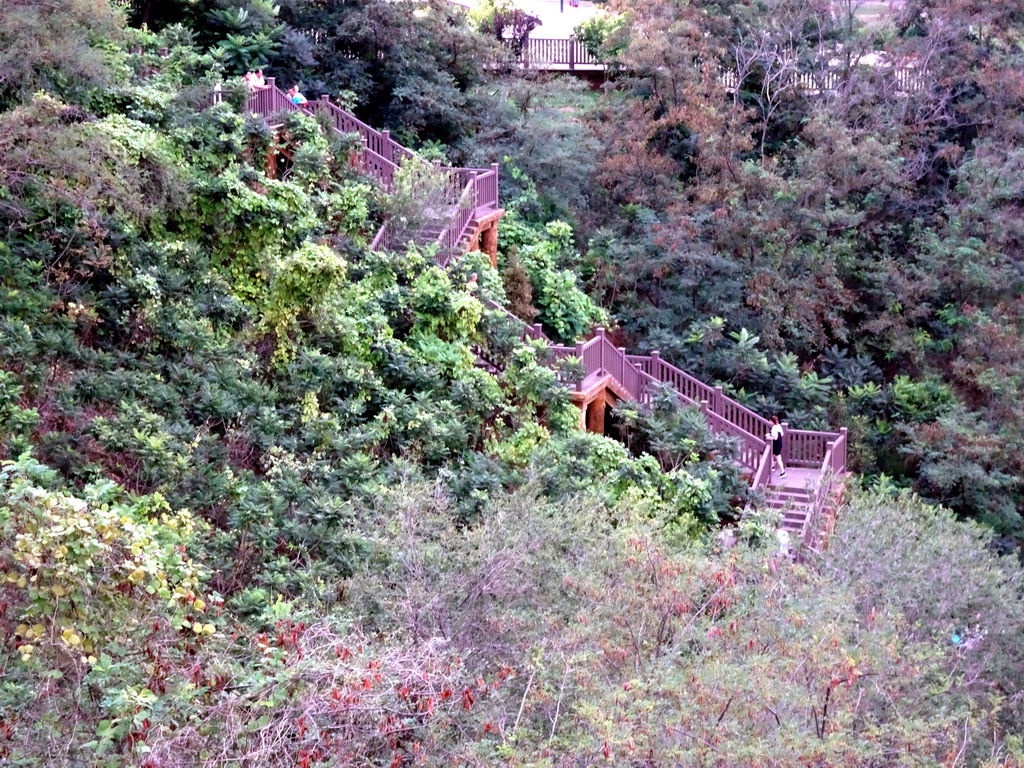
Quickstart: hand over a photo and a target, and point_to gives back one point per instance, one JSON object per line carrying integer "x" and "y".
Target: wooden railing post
{"x": 785, "y": 443}
{"x": 840, "y": 461}
{"x": 386, "y": 149}
{"x": 656, "y": 365}
{"x": 719, "y": 395}
{"x": 572, "y": 55}
{"x": 538, "y": 331}
{"x": 579, "y": 354}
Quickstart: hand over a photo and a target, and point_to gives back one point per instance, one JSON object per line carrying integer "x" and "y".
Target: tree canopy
{"x": 270, "y": 496}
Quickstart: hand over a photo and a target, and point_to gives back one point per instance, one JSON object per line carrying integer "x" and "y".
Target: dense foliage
{"x": 269, "y": 497}
{"x": 849, "y": 255}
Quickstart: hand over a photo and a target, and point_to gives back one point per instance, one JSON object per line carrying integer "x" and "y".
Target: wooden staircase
{"x": 794, "y": 503}
{"x": 815, "y": 461}
{"x": 469, "y": 195}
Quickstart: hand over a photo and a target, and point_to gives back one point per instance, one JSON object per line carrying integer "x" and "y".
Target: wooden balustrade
{"x": 469, "y": 193}
{"x": 450, "y": 237}
{"x": 763, "y": 474}
{"x": 570, "y": 54}
{"x": 473, "y": 190}
{"x": 545, "y": 52}
{"x": 639, "y": 374}
{"x": 805, "y": 449}
{"x": 270, "y": 102}
{"x": 379, "y": 167}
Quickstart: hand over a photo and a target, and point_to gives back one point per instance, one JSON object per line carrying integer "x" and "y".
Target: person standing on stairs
{"x": 776, "y": 436}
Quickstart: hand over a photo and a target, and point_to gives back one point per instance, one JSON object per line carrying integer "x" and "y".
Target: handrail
{"x": 833, "y": 464}
{"x": 553, "y": 51}
{"x": 379, "y": 167}
{"x": 534, "y": 331}
{"x": 821, "y": 494}
{"x": 763, "y": 474}
{"x": 556, "y": 53}
{"x": 380, "y": 240}
{"x": 636, "y": 373}
{"x": 452, "y": 234}
{"x": 381, "y": 157}
{"x": 378, "y": 141}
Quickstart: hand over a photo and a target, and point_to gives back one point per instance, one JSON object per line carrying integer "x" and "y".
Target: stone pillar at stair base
{"x": 490, "y": 243}
{"x": 484, "y": 236}
{"x": 592, "y": 401}
{"x": 595, "y": 416}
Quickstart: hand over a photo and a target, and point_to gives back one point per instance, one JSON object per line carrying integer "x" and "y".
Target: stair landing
{"x": 796, "y": 479}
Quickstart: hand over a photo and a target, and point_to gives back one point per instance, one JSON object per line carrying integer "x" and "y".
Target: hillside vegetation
{"x": 260, "y": 505}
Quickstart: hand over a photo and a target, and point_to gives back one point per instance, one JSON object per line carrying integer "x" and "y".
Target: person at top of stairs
{"x": 296, "y": 97}
{"x": 776, "y": 436}
{"x": 255, "y": 81}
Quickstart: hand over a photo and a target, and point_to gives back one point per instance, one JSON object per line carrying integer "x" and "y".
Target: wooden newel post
{"x": 538, "y": 331}
{"x": 786, "y": 442}
{"x": 830, "y": 448}
{"x": 386, "y": 149}
{"x": 656, "y": 364}
{"x": 704, "y": 408}
{"x": 572, "y": 55}
{"x": 841, "y": 463}
{"x": 599, "y": 333}
{"x": 719, "y": 394}
{"x": 579, "y": 354}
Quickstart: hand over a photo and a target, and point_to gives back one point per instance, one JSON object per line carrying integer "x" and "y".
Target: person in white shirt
{"x": 776, "y": 436}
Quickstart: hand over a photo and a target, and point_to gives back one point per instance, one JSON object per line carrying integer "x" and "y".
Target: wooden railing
{"x": 548, "y": 53}
{"x": 763, "y": 474}
{"x": 833, "y": 465}
{"x": 379, "y": 142}
{"x": 451, "y": 235}
{"x": 270, "y": 102}
{"x": 904, "y": 78}
{"x": 638, "y": 374}
{"x": 571, "y": 54}
{"x": 471, "y": 192}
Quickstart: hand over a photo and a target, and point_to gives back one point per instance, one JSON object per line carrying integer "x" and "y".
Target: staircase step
{"x": 789, "y": 493}
{"x": 773, "y": 501}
